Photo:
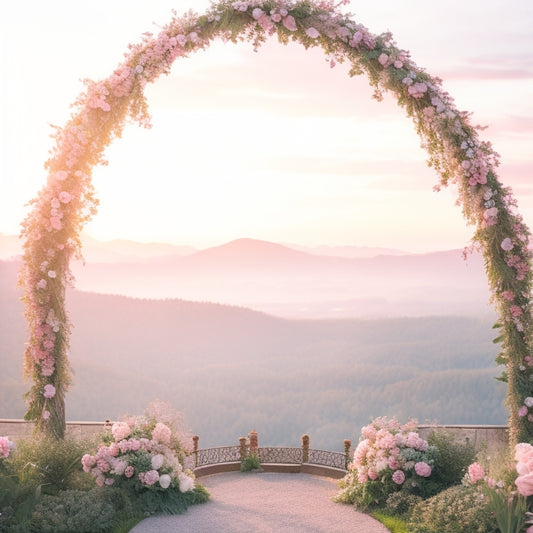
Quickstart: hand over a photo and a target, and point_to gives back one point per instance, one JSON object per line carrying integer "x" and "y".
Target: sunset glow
{"x": 271, "y": 144}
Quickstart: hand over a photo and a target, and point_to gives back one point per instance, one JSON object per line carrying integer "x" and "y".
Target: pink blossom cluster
{"x": 524, "y": 409}
{"x": 390, "y": 448}
{"x": 134, "y": 438}
{"x": 520, "y": 266}
{"x": 524, "y": 467}
{"x": 5, "y": 447}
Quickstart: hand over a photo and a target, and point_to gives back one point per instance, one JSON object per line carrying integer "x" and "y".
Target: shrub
{"x": 452, "y": 459}
{"x": 250, "y": 462}
{"x": 456, "y": 509}
{"x": 401, "y": 503}
{"x": 389, "y": 457}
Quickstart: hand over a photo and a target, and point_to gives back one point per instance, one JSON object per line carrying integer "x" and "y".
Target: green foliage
{"x": 401, "y": 503}
{"x": 250, "y": 462}
{"x": 451, "y": 460}
{"x": 50, "y": 463}
{"x": 509, "y": 510}
{"x": 74, "y": 510}
{"x": 459, "y": 509}
{"x": 394, "y": 524}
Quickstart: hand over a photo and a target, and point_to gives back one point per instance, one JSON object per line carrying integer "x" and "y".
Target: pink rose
{"x": 383, "y": 59}
{"x": 522, "y": 411}
{"x": 312, "y": 32}
{"x": 507, "y": 244}
{"x": 49, "y": 391}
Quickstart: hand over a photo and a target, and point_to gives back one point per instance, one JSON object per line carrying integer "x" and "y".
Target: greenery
{"x": 452, "y": 460}
{"x": 250, "y": 462}
{"x": 394, "y": 524}
{"x": 44, "y": 489}
{"x": 458, "y": 509}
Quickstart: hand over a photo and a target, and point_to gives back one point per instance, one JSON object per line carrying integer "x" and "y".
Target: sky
{"x": 272, "y": 144}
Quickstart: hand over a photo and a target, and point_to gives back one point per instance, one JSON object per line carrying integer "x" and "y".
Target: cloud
{"x": 499, "y": 67}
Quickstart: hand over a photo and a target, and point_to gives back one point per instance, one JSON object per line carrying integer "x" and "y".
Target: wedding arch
{"x": 51, "y": 231}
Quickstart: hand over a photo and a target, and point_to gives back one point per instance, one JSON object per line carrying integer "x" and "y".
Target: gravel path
{"x": 266, "y": 502}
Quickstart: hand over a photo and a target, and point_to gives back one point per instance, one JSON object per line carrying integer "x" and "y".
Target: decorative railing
{"x": 331, "y": 459}
{"x": 280, "y": 455}
{"x": 268, "y": 455}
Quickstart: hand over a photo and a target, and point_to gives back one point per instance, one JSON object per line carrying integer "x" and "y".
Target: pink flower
{"x": 129, "y": 471}
{"x": 49, "y": 391}
{"x": 398, "y": 477}
{"x": 161, "y": 433}
{"x": 475, "y": 472}
{"x": 120, "y": 431}
{"x": 52, "y": 274}
{"x": 276, "y": 17}
{"x": 312, "y": 32}
{"x": 290, "y": 23}
{"x": 149, "y": 478}
{"x": 524, "y": 484}
{"x": 61, "y": 175}
{"x": 507, "y": 244}
{"x": 523, "y": 451}
{"x": 55, "y": 222}
{"x": 164, "y": 481}
{"x": 398, "y": 63}
{"x": 186, "y": 482}
{"x": 4, "y": 447}
{"x": 383, "y": 59}
{"x": 257, "y": 13}
{"x": 64, "y": 197}
{"x": 88, "y": 461}
{"x": 422, "y": 469}
{"x": 515, "y": 311}
{"x": 46, "y": 414}
{"x": 508, "y": 295}
{"x": 372, "y": 474}
{"x": 522, "y": 411}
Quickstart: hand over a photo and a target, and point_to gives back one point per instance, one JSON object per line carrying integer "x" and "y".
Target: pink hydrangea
{"x": 149, "y": 478}
{"x": 161, "y": 433}
{"x": 120, "y": 431}
{"x": 398, "y": 477}
{"x": 422, "y": 469}
{"x": 475, "y": 472}
{"x": 88, "y": 461}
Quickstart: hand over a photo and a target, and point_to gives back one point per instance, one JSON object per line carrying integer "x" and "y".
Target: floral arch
{"x": 456, "y": 152}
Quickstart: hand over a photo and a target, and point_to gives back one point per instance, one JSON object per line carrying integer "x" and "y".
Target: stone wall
{"x": 491, "y": 438}
{"x": 17, "y": 429}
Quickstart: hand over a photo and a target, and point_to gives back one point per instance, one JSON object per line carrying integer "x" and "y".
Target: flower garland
{"x": 459, "y": 156}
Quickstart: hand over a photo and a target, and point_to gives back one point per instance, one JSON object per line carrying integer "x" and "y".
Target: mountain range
{"x": 288, "y": 282}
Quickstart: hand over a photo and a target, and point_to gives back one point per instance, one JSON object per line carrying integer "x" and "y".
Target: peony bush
{"x": 389, "y": 457}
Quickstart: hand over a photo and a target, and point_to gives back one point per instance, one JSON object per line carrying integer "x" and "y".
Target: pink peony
{"x": 398, "y": 477}
{"x": 475, "y": 472}
{"x": 524, "y": 484}
{"x": 149, "y": 478}
{"x": 522, "y": 411}
{"x": 312, "y": 32}
{"x": 422, "y": 469}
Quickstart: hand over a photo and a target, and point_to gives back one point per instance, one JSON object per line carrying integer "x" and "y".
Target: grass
{"x": 392, "y": 523}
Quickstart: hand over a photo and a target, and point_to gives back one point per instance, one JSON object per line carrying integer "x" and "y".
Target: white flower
{"x": 186, "y": 483}
{"x": 157, "y": 461}
{"x": 528, "y": 402}
{"x": 164, "y": 481}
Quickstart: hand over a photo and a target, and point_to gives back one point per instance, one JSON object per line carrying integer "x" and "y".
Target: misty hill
{"x": 230, "y": 369}
{"x": 286, "y": 282}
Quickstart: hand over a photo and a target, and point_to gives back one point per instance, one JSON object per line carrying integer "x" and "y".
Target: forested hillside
{"x": 231, "y": 370}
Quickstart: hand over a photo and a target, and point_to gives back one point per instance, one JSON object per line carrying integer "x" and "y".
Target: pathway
{"x": 266, "y": 503}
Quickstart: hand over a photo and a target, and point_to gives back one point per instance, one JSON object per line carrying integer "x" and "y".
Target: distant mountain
{"x": 280, "y": 280}
{"x": 230, "y": 369}
{"x": 347, "y": 251}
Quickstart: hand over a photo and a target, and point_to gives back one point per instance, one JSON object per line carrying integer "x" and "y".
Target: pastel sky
{"x": 272, "y": 144}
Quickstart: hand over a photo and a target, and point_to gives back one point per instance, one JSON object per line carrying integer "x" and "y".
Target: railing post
{"x": 242, "y": 448}
{"x": 347, "y": 446}
{"x": 254, "y": 442}
{"x": 305, "y": 448}
{"x": 195, "y": 440}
